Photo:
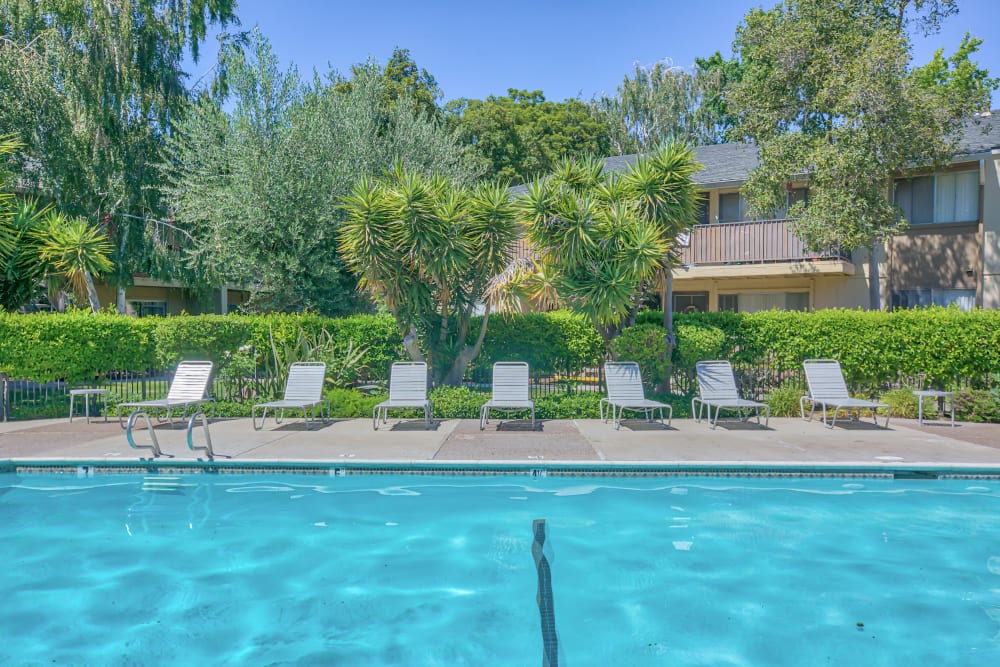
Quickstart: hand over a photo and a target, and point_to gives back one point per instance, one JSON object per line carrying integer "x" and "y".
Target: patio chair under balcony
{"x": 828, "y": 391}
{"x": 303, "y": 391}
{"x": 188, "y": 388}
{"x": 407, "y": 389}
{"x": 717, "y": 389}
{"x": 625, "y": 392}
{"x": 510, "y": 391}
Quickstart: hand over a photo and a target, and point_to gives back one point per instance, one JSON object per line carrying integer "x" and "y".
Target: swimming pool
{"x": 439, "y": 570}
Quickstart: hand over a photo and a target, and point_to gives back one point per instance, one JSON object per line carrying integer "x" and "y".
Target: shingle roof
{"x": 732, "y": 163}
{"x": 980, "y": 134}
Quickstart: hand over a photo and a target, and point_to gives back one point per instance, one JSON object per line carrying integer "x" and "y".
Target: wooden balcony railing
{"x": 751, "y": 242}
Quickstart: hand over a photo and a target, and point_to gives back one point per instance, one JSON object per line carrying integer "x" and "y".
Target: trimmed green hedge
{"x": 79, "y": 345}
{"x": 76, "y": 346}
{"x": 949, "y": 346}
{"x": 550, "y": 342}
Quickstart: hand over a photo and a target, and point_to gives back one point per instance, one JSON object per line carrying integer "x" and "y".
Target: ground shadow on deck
{"x": 413, "y": 425}
{"x": 515, "y": 425}
{"x": 642, "y": 425}
{"x": 735, "y": 425}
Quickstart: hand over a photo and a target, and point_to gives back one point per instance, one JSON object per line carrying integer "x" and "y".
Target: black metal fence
{"x": 25, "y": 399}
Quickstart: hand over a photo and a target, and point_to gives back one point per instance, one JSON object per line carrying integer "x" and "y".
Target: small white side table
{"x": 87, "y": 393}
{"x": 933, "y": 393}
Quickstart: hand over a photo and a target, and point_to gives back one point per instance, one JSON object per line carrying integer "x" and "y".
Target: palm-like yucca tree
{"x": 428, "y": 248}
{"x": 662, "y": 186}
{"x": 22, "y": 272}
{"x": 73, "y": 252}
{"x": 601, "y": 239}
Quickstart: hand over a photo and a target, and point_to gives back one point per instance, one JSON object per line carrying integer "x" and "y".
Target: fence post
{"x": 3, "y": 405}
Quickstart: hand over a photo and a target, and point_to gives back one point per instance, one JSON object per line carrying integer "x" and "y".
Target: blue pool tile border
{"x": 152, "y": 467}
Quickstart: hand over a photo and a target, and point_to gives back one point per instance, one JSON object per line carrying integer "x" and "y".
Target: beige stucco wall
{"x": 178, "y": 300}
{"x": 824, "y": 291}
{"x": 991, "y": 231}
{"x": 934, "y": 256}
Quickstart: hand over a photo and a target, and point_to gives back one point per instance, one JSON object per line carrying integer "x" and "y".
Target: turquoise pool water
{"x": 417, "y": 570}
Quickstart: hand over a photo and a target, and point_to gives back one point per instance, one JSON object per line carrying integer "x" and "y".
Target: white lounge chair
{"x": 828, "y": 390}
{"x": 303, "y": 390}
{"x": 717, "y": 388}
{"x": 625, "y": 392}
{"x": 407, "y": 389}
{"x": 510, "y": 391}
{"x": 189, "y": 387}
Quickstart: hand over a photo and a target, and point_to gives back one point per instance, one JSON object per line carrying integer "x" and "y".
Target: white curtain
{"x": 957, "y": 197}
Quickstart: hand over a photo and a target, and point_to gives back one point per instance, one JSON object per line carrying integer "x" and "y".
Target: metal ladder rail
{"x": 207, "y": 447}
{"x": 155, "y": 445}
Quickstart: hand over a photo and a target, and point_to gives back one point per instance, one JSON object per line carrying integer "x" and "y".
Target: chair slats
{"x": 408, "y": 381}
{"x": 716, "y": 381}
{"x": 190, "y": 381}
{"x": 825, "y": 379}
{"x": 305, "y": 381}
{"x": 624, "y": 381}
{"x": 510, "y": 382}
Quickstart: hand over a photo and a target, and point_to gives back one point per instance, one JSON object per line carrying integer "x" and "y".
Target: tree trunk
{"x": 411, "y": 344}
{"x": 667, "y": 299}
{"x": 120, "y": 301}
{"x": 465, "y": 356}
{"x": 874, "y": 292}
{"x": 95, "y": 302}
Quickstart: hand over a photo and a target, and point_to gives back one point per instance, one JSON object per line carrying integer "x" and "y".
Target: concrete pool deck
{"x": 788, "y": 442}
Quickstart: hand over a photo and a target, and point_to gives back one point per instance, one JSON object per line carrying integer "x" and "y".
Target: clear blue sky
{"x": 564, "y": 48}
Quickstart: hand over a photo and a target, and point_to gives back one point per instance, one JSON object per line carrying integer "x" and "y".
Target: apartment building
{"x": 949, "y": 255}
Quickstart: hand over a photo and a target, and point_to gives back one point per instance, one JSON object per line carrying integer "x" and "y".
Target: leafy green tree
{"x": 427, "y": 248}
{"x": 826, "y": 89}
{"x": 664, "y": 103}
{"x": 116, "y": 65}
{"x": 521, "y": 135}
{"x": 403, "y": 80}
{"x": 258, "y": 188}
{"x": 601, "y": 239}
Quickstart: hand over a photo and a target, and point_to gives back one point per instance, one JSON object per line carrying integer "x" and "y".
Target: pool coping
{"x": 92, "y": 467}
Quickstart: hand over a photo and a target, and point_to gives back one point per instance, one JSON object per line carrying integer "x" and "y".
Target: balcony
{"x": 750, "y": 242}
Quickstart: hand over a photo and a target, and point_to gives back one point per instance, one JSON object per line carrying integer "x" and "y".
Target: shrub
{"x": 903, "y": 403}
{"x": 457, "y": 402}
{"x": 784, "y": 401}
{"x": 644, "y": 345}
{"x": 349, "y": 403}
{"x": 581, "y": 405}
{"x": 977, "y": 405}
{"x": 696, "y": 342}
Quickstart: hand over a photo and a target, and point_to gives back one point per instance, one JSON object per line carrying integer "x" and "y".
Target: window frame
{"x": 934, "y": 179}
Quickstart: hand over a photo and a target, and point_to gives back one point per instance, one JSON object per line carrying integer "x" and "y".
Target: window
{"x": 731, "y": 207}
{"x": 701, "y": 215}
{"x": 149, "y": 308}
{"x": 965, "y": 299}
{"x": 751, "y": 303}
{"x": 690, "y": 302}
{"x": 949, "y": 197}
{"x": 794, "y": 196}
